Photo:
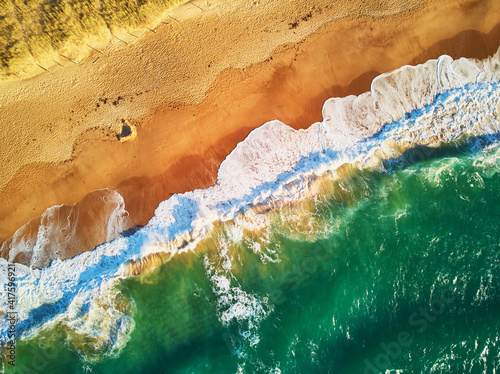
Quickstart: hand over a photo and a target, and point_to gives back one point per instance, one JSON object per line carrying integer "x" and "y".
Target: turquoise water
{"x": 388, "y": 269}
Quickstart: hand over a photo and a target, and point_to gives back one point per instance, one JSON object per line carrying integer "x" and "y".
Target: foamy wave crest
{"x": 65, "y": 230}
{"x": 101, "y": 329}
{"x": 238, "y": 308}
{"x": 438, "y": 102}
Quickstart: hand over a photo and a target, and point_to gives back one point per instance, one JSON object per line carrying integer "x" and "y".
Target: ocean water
{"x": 367, "y": 244}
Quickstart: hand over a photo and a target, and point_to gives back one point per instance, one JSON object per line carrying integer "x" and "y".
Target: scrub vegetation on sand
{"x": 36, "y": 34}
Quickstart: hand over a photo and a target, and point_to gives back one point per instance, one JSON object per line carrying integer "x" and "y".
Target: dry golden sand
{"x": 197, "y": 87}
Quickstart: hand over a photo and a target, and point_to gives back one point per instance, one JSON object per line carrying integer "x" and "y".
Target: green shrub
{"x": 32, "y": 30}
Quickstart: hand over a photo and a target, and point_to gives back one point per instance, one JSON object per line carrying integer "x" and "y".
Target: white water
{"x": 432, "y": 103}
{"x": 61, "y": 229}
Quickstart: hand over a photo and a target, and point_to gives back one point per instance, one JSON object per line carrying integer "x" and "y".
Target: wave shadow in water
{"x": 91, "y": 272}
{"x": 423, "y": 153}
{"x": 106, "y": 268}
{"x": 186, "y": 210}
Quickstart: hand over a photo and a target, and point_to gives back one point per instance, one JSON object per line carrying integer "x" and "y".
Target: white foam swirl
{"x": 436, "y": 102}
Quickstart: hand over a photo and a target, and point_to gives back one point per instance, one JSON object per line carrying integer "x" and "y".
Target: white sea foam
{"x": 59, "y": 229}
{"x": 432, "y": 103}
{"x": 238, "y": 308}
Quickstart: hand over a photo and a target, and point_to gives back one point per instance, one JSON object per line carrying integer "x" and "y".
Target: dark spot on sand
{"x": 117, "y": 101}
{"x": 126, "y": 131}
{"x": 307, "y": 16}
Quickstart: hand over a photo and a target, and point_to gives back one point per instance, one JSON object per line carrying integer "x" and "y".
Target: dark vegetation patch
{"x": 305, "y": 18}
{"x": 31, "y": 28}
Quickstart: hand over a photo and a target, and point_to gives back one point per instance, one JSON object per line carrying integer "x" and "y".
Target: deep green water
{"x": 400, "y": 271}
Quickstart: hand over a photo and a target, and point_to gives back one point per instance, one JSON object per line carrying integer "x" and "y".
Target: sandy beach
{"x": 197, "y": 85}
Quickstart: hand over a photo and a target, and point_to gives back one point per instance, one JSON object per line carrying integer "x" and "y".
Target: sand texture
{"x": 180, "y": 98}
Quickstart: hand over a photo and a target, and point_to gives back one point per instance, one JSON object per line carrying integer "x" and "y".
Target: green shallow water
{"x": 398, "y": 272}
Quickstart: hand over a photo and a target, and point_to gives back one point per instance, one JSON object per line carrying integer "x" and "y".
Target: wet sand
{"x": 197, "y": 87}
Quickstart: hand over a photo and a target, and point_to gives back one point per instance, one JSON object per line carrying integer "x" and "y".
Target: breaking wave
{"x": 406, "y": 117}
